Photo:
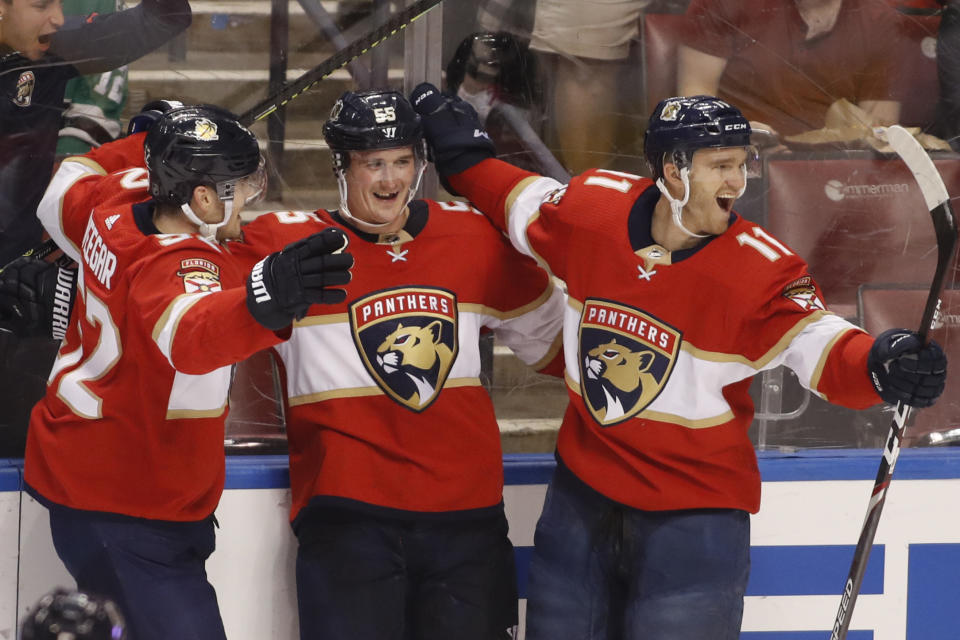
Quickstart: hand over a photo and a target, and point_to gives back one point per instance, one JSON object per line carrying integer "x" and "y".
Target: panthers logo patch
{"x": 25, "y": 86}
{"x": 407, "y": 339}
{"x": 626, "y": 357}
{"x": 804, "y": 294}
{"x": 199, "y": 275}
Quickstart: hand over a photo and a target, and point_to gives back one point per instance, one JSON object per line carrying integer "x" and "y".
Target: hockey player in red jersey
{"x": 395, "y": 461}
{"x": 126, "y": 448}
{"x": 676, "y": 302}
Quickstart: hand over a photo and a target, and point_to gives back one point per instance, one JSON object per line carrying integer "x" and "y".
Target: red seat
{"x": 917, "y": 86}
{"x": 886, "y": 307}
{"x": 256, "y": 413}
{"x": 854, "y": 219}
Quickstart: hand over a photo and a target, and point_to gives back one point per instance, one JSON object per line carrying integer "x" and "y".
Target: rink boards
{"x": 802, "y": 541}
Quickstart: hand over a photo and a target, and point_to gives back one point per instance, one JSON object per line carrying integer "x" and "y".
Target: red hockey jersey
{"x": 660, "y": 347}
{"x": 133, "y": 419}
{"x": 386, "y": 410}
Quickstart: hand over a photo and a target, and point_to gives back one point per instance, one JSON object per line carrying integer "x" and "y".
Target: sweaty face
{"x": 716, "y": 178}
{"x": 28, "y": 24}
{"x": 378, "y": 183}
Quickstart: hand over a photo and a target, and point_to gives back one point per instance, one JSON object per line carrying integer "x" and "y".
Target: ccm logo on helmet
{"x": 735, "y": 127}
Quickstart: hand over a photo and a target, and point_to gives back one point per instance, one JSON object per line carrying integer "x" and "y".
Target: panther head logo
{"x": 407, "y": 339}
{"x": 626, "y": 357}
{"x": 623, "y": 376}
{"x": 419, "y": 354}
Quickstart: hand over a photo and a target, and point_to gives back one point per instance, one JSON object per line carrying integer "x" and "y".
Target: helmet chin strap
{"x": 676, "y": 206}
{"x": 209, "y": 229}
{"x": 345, "y": 210}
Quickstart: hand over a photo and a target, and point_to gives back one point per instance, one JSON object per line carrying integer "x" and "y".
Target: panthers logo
{"x": 407, "y": 339}
{"x": 670, "y": 110}
{"x": 623, "y": 376}
{"x": 419, "y": 354}
{"x": 25, "y": 86}
{"x": 205, "y": 130}
{"x": 626, "y": 358}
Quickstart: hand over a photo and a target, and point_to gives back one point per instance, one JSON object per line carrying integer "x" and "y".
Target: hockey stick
{"x": 342, "y": 57}
{"x": 945, "y": 225}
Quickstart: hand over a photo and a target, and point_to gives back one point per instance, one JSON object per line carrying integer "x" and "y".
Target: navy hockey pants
{"x": 603, "y": 571}
{"x": 360, "y": 576}
{"x": 153, "y": 570}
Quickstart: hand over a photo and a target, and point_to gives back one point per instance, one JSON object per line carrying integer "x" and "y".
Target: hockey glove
{"x": 150, "y": 113}
{"x": 283, "y": 285}
{"x": 36, "y": 297}
{"x": 903, "y": 369}
{"x": 452, "y": 129}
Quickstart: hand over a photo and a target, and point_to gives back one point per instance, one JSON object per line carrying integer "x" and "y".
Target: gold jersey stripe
{"x": 363, "y": 392}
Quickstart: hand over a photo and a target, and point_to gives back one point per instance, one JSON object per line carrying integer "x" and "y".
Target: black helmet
{"x": 680, "y": 126}
{"x": 499, "y": 58}
{"x": 73, "y": 614}
{"x": 367, "y": 120}
{"x": 198, "y": 145}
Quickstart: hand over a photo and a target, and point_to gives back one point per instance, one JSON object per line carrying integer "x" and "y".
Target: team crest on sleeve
{"x": 25, "y": 86}
{"x": 407, "y": 339}
{"x": 626, "y": 357}
{"x": 199, "y": 275}
{"x": 804, "y": 294}
{"x": 555, "y": 196}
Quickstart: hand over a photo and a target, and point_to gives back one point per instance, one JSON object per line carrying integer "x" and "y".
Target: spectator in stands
{"x": 93, "y": 103}
{"x": 948, "y": 72}
{"x": 497, "y": 74}
{"x": 586, "y": 43}
{"x": 784, "y": 62}
{"x": 37, "y": 59}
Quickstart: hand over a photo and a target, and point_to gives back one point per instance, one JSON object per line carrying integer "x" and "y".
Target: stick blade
{"x": 916, "y": 158}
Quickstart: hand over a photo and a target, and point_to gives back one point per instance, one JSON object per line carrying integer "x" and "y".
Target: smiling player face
{"x": 378, "y": 183}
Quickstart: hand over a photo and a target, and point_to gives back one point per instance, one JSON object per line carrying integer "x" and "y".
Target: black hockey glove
{"x": 903, "y": 369}
{"x": 452, "y": 129}
{"x": 36, "y": 297}
{"x": 150, "y": 113}
{"x": 283, "y": 285}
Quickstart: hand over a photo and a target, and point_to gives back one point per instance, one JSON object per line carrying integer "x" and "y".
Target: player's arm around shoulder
{"x": 526, "y": 308}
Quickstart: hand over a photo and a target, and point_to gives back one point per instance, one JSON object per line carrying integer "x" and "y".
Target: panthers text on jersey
{"x": 660, "y": 347}
{"x": 386, "y": 412}
{"x": 133, "y": 418}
